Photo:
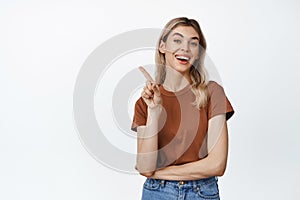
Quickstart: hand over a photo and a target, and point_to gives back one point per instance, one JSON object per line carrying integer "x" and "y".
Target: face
{"x": 181, "y": 48}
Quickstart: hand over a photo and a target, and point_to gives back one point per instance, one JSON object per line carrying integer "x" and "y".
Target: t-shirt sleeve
{"x": 218, "y": 102}
{"x": 140, "y": 114}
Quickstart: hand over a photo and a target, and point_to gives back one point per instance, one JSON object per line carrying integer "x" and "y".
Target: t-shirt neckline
{"x": 177, "y": 93}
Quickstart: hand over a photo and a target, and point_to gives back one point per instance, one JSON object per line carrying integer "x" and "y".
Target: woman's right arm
{"x": 147, "y": 135}
{"x": 147, "y": 142}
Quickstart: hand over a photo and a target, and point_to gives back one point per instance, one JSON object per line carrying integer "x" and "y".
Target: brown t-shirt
{"x": 182, "y": 138}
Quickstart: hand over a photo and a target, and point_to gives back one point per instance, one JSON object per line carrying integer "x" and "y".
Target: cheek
{"x": 172, "y": 47}
{"x": 168, "y": 57}
{"x": 195, "y": 53}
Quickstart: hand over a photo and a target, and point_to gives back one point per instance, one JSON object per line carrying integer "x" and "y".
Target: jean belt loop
{"x": 162, "y": 183}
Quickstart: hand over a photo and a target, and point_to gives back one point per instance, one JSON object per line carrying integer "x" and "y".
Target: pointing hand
{"x": 150, "y": 94}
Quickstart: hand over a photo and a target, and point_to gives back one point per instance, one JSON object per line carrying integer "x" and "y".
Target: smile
{"x": 182, "y": 57}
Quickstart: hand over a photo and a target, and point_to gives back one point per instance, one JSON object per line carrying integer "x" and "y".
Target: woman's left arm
{"x": 214, "y": 164}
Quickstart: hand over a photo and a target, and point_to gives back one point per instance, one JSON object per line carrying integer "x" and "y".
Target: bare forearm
{"x": 147, "y": 142}
{"x": 191, "y": 171}
{"x": 147, "y": 152}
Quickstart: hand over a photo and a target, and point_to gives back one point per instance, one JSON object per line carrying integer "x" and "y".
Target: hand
{"x": 150, "y": 94}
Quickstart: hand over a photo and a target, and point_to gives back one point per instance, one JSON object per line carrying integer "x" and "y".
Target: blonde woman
{"x": 180, "y": 120}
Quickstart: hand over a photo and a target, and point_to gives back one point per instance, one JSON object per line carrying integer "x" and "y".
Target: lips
{"x": 183, "y": 59}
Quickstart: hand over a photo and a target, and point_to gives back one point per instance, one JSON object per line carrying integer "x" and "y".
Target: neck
{"x": 175, "y": 80}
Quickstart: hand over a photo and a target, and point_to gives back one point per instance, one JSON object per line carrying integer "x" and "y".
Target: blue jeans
{"x": 157, "y": 189}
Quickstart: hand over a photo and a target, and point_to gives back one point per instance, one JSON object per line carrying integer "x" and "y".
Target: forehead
{"x": 186, "y": 31}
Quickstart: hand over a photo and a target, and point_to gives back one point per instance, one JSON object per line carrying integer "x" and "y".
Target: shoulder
{"x": 213, "y": 84}
{"x": 213, "y": 87}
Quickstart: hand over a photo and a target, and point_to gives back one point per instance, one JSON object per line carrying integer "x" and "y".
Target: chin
{"x": 182, "y": 70}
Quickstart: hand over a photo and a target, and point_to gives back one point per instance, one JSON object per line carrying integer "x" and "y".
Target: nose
{"x": 185, "y": 46}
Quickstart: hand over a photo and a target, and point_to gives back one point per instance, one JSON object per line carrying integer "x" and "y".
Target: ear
{"x": 162, "y": 47}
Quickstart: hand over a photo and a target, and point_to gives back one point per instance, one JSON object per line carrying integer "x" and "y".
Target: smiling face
{"x": 181, "y": 49}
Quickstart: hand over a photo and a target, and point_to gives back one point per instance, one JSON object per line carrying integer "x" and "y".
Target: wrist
{"x": 155, "y": 108}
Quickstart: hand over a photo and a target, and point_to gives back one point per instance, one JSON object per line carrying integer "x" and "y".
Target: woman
{"x": 180, "y": 120}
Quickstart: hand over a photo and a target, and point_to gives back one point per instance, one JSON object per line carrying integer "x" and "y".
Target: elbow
{"x": 220, "y": 172}
{"x": 147, "y": 174}
{"x": 220, "y": 169}
{"x": 146, "y": 166}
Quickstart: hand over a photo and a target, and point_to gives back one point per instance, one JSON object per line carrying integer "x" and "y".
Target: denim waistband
{"x": 190, "y": 183}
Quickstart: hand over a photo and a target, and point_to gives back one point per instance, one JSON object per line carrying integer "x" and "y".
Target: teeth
{"x": 182, "y": 57}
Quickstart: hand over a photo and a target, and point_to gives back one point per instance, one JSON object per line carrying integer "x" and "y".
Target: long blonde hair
{"x": 197, "y": 71}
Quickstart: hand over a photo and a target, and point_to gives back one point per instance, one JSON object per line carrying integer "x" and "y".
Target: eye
{"x": 177, "y": 41}
{"x": 194, "y": 44}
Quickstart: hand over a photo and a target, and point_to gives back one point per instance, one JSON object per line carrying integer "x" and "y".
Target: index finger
{"x": 146, "y": 74}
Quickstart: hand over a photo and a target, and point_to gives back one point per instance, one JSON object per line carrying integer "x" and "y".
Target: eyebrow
{"x": 179, "y": 34}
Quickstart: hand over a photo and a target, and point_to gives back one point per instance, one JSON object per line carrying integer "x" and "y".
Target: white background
{"x": 43, "y": 44}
